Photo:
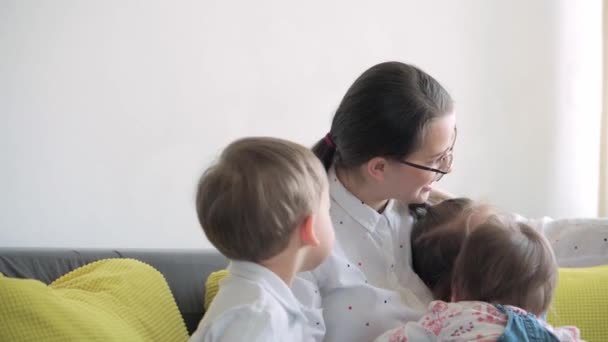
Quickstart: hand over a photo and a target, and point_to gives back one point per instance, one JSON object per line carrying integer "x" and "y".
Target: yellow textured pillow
{"x": 581, "y": 299}
{"x": 107, "y": 300}
{"x": 212, "y": 286}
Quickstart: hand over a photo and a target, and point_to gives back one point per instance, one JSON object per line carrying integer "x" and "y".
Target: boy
{"x": 265, "y": 206}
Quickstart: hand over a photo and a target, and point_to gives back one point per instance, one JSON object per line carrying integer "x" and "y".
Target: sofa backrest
{"x": 185, "y": 269}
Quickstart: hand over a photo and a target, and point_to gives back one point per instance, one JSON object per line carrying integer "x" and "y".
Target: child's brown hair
{"x": 436, "y": 240}
{"x": 506, "y": 262}
{"x": 251, "y": 201}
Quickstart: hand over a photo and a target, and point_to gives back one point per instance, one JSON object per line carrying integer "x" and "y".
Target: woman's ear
{"x": 376, "y": 168}
{"x": 307, "y": 232}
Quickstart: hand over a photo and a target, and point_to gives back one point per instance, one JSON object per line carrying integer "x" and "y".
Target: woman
{"x": 390, "y": 142}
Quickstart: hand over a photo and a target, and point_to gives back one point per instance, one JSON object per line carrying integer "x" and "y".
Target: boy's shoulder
{"x": 242, "y": 310}
{"x": 248, "y": 306}
{"x": 237, "y": 323}
{"x": 239, "y": 293}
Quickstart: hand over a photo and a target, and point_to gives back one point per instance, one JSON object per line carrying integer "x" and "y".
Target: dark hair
{"x": 383, "y": 113}
{"x": 436, "y": 241}
{"x": 506, "y": 262}
{"x": 252, "y": 175}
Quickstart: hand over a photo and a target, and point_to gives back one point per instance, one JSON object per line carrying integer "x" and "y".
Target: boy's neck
{"x": 285, "y": 265}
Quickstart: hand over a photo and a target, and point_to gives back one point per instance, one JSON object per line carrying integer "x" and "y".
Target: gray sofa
{"x": 186, "y": 270}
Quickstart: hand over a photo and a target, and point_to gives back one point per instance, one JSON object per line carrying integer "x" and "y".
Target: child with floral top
{"x": 499, "y": 274}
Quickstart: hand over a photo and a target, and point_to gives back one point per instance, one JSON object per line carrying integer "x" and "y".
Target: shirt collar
{"x": 365, "y": 215}
{"x": 269, "y": 281}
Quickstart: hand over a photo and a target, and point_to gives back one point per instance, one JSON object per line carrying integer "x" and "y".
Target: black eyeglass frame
{"x": 439, "y": 173}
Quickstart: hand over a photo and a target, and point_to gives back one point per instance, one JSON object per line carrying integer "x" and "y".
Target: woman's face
{"x": 411, "y": 184}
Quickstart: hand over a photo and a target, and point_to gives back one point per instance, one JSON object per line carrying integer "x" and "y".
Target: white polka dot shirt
{"x": 367, "y": 285}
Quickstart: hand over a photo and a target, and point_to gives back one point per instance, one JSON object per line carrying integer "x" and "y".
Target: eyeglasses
{"x": 445, "y": 163}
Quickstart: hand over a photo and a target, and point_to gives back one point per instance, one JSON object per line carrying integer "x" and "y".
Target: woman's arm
{"x": 579, "y": 242}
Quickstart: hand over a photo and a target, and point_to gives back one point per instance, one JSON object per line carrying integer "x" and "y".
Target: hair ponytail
{"x": 325, "y": 150}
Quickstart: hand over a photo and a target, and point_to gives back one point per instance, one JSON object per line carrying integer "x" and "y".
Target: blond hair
{"x": 252, "y": 199}
{"x": 506, "y": 262}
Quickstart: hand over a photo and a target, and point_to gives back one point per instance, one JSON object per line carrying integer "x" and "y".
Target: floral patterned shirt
{"x": 464, "y": 321}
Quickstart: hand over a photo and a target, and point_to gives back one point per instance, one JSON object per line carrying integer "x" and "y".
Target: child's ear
{"x": 307, "y": 232}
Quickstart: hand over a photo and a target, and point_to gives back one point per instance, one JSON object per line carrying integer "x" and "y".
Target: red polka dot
{"x": 350, "y": 308}
{"x": 360, "y": 264}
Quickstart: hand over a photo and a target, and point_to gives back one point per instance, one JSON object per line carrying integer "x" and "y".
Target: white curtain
{"x": 603, "y": 191}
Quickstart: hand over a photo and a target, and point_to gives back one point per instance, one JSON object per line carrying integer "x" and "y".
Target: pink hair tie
{"x": 329, "y": 142}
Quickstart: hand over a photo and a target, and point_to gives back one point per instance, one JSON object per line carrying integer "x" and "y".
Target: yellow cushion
{"x": 107, "y": 300}
{"x": 212, "y": 286}
{"x": 581, "y": 299}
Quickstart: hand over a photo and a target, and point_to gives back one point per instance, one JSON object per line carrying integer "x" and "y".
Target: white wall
{"x": 111, "y": 109}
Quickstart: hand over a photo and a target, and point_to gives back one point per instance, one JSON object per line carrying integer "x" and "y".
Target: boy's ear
{"x": 307, "y": 232}
{"x": 376, "y": 167}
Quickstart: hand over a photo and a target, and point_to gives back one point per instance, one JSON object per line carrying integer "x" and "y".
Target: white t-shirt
{"x": 367, "y": 285}
{"x": 253, "y": 304}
